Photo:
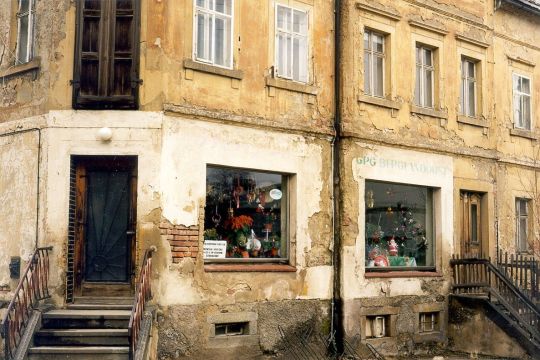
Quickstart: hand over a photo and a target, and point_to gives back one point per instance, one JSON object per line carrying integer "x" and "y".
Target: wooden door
{"x": 471, "y": 226}
{"x": 105, "y": 232}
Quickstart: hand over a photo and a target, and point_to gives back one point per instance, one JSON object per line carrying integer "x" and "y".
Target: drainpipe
{"x": 337, "y": 304}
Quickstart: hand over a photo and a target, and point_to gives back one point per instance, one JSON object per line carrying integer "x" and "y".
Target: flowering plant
{"x": 239, "y": 228}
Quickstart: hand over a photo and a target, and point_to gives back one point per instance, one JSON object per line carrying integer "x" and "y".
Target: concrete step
{"x": 85, "y": 337}
{"x": 85, "y": 319}
{"x": 81, "y": 306}
{"x": 115, "y": 300}
{"x": 78, "y": 353}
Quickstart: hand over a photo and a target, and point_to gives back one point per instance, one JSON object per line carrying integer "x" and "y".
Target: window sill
{"x": 33, "y": 64}
{"x": 215, "y": 70}
{"x": 528, "y": 134}
{"x": 249, "y": 268}
{"x": 474, "y": 121}
{"x": 373, "y": 100}
{"x": 290, "y": 85}
{"x": 429, "y": 112}
{"x": 402, "y": 274}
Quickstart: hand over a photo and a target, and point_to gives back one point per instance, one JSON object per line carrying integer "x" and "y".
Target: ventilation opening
{"x": 377, "y": 326}
{"x": 232, "y": 329}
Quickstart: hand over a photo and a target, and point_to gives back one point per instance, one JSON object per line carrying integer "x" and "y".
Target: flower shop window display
{"x": 245, "y": 215}
{"x": 399, "y": 227}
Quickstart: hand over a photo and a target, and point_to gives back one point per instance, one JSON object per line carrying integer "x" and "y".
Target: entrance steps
{"x": 84, "y": 330}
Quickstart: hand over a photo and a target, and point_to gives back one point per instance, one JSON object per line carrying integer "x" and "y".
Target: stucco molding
{"x": 34, "y": 64}
{"x": 215, "y": 70}
{"x": 476, "y": 21}
{"x": 520, "y": 60}
{"x": 290, "y": 85}
{"x": 429, "y": 27}
{"x": 475, "y": 121}
{"x": 387, "y": 103}
{"x": 473, "y": 41}
{"x": 524, "y": 134}
{"x": 429, "y": 112}
{"x": 384, "y": 12}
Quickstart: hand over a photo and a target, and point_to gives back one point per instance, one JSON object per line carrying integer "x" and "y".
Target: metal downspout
{"x": 337, "y": 305}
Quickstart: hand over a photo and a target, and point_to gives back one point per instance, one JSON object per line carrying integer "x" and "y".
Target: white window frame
{"x": 522, "y": 244}
{"x": 372, "y": 55}
{"x": 421, "y": 101}
{"x": 429, "y": 322}
{"x": 210, "y": 11}
{"x": 519, "y": 123}
{"x": 30, "y": 32}
{"x": 305, "y": 37}
{"x": 466, "y": 79}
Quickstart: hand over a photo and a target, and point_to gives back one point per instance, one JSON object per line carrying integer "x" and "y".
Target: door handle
{"x": 130, "y": 232}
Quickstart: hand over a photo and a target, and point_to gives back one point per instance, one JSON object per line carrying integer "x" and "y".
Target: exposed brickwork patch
{"x": 4, "y": 288}
{"x": 184, "y": 240}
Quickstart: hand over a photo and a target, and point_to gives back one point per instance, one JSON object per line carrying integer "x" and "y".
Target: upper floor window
{"x": 213, "y": 32}
{"x": 468, "y": 88}
{"x": 374, "y": 55}
{"x": 106, "y": 70}
{"x": 25, "y": 31}
{"x": 291, "y": 43}
{"x": 522, "y": 101}
{"x": 522, "y": 224}
{"x": 424, "y": 92}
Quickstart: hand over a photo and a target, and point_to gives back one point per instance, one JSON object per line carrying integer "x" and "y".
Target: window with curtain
{"x": 468, "y": 88}
{"x": 25, "y": 31}
{"x": 522, "y": 101}
{"x": 374, "y": 57}
{"x": 424, "y": 93}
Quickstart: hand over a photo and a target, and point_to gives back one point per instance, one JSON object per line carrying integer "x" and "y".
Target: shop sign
{"x": 215, "y": 249}
{"x": 402, "y": 164}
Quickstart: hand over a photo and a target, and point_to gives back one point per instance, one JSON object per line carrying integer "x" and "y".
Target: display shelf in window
{"x": 245, "y": 215}
{"x": 399, "y": 227}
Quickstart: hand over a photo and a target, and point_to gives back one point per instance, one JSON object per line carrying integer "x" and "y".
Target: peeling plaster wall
{"x": 18, "y": 194}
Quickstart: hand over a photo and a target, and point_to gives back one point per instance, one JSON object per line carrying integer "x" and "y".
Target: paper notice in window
{"x": 215, "y": 249}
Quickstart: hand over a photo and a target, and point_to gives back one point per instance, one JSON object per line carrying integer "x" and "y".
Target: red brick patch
{"x": 184, "y": 240}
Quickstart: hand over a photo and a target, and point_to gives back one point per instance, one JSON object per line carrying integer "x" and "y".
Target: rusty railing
{"x": 143, "y": 293}
{"x": 33, "y": 287}
{"x": 479, "y": 277}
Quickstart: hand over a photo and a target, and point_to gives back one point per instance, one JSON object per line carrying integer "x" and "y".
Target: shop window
{"x": 429, "y": 322}
{"x": 245, "y": 215}
{"x": 377, "y": 326}
{"x": 213, "y": 31}
{"x": 399, "y": 227}
{"x": 374, "y": 58}
{"x": 522, "y": 101}
{"x": 232, "y": 329}
{"x": 291, "y": 43}
{"x": 424, "y": 93}
{"x": 522, "y": 225}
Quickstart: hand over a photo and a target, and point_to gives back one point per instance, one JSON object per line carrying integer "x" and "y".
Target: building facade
{"x": 206, "y": 128}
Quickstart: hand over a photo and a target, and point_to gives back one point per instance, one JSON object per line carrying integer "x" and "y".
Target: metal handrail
{"x": 33, "y": 287}
{"x": 143, "y": 293}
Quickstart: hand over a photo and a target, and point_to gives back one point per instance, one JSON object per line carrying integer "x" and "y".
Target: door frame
{"x": 479, "y": 199}
{"x": 105, "y": 162}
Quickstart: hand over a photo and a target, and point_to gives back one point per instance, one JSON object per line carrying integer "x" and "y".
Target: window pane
{"x": 300, "y": 22}
{"x": 378, "y": 84}
{"x": 523, "y": 207}
{"x": 296, "y": 59}
{"x": 92, "y": 4}
{"x": 284, "y": 20}
{"x": 366, "y": 40}
{"x": 398, "y": 226}
{"x": 417, "y": 90}
{"x": 474, "y": 223}
{"x": 525, "y": 86}
{"x": 523, "y": 234}
{"x": 202, "y": 3}
{"x": 418, "y": 55}
{"x": 471, "y": 99}
{"x": 202, "y": 36}
{"x": 222, "y": 49}
{"x": 428, "y": 86}
{"x": 463, "y": 100}
{"x": 23, "y": 39}
{"x": 470, "y": 69}
{"x": 367, "y": 73}
{"x": 303, "y": 60}
{"x": 288, "y": 54}
{"x": 516, "y": 83}
{"x": 517, "y": 111}
{"x": 428, "y": 61}
{"x": 24, "y": 6}
{"x": 224, "y": 6}
{"x": 378, "y": 43}
{"x": 247, "y": 211}
{"x": 526, "y": 116}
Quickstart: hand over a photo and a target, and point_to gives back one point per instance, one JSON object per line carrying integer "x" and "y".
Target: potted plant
{"x": 239, "y": 228}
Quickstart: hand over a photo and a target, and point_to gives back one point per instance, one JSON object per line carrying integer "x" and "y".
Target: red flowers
{"x": 240, "y": 222}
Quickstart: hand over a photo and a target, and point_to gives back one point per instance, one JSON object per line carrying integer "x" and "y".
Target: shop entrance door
{"x": 471, "y": 227}
{"x": 105, "y": 225}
